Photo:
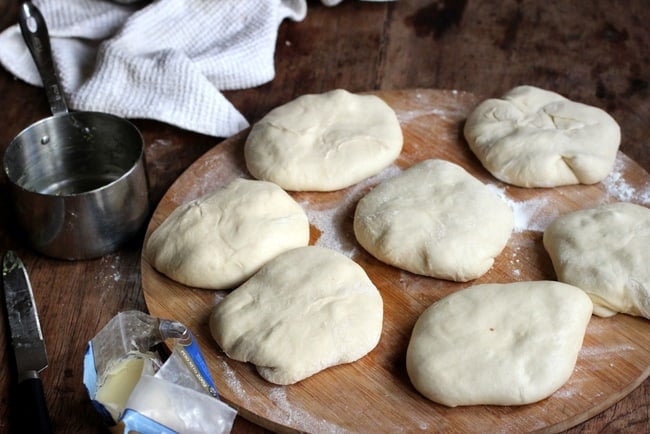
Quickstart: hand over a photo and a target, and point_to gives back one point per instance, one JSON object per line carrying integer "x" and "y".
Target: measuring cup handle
{"x": 37, "y": 38}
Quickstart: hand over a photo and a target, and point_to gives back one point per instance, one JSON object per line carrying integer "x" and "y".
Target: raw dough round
{"x": 498, "y": 344}
{"x": 304, "y": 311}
{"x": 221, "y": 239}
{"x": 532, "y": 137}
{"x": 605, "y": 251}
{"x": 434, "y": 219}
{"x": 324, "y": 142}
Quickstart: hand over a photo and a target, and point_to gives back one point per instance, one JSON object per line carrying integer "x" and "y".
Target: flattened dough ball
{"x": 324, "y": 142}
{"x": 306, "y": 310}
{"x": 434, "y": 219}
{"x": 531, "y": 137}
{"x": 221, "y": 239}
{"x": 605, "y": 251}
{"x": 498, "y": 344}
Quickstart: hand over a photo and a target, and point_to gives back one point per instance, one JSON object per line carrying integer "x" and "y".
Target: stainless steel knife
{"x": 27, "y": 342}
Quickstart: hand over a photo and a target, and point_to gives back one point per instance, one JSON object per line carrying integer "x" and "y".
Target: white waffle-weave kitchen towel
{"x": 166, "y": 60}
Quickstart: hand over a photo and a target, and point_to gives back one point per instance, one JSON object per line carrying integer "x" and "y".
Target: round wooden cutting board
{"x": 374, "y": 394}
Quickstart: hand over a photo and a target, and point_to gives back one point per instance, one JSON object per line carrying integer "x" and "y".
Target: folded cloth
{"x": 166, "y": 60}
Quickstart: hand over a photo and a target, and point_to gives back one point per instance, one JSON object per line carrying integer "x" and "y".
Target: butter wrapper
{"x": 135, "y": 391}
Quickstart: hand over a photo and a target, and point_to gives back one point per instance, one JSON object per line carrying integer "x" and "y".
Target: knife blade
{"x": 27, "y": 342}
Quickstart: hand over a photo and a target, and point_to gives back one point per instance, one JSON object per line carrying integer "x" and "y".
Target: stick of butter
{"x": 120, "y": 380}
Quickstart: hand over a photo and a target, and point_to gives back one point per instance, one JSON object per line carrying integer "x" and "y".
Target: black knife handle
{"x": 34, "y": 409}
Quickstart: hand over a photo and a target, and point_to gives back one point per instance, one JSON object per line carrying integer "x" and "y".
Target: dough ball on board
{"x": 324, "y": 142}
{"x": 304, "y": 311}
{"x": 605, "y": 251}
{"x": 498, "y": 344}
{"x": 434, "y": 219}
{"x": 531, "y": 137}
{"x": 221, "y": 239}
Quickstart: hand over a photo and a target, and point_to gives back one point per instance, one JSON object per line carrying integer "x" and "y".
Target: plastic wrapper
{"x": 135, "y": 391}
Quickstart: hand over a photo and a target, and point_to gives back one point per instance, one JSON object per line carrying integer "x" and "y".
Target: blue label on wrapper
{"x": 188, "y": 372}
{"x": 90, "y": 381}
{"x": 136, "y": 422}
{"x": 194, "y": 358}
{"x": 90, "y": 375}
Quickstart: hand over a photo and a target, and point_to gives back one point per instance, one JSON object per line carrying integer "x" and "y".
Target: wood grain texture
{"x": 614, "y": 360}
{"x": 594, "y": 51}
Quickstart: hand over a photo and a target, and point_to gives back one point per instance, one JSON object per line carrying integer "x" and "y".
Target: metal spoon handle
{"x": 37, "y": 38}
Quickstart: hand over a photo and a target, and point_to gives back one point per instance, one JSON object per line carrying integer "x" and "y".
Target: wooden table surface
{"x": 595, "y": 52}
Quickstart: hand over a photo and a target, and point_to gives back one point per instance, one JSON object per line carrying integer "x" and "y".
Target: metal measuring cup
{"x": 77, "y": 179}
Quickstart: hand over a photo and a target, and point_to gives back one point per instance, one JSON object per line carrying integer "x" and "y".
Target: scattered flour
{"x": 600, "y": 352}
{"x": 435, "y": 107}
{"x": 111, "y": 264}
{"x": 409, "y": 115}
{"x": 288, "y": 414}
{"x": 116, "y": 272}
{"x": 537, "y": 213}
{"x": 212, "y": 172}
{"x": 515, "y": 265}
{"x": 327, "y": 220}
{"x": 298, "y": 417}
{"x": 583, "y": 378}
{"x": 530, "y": 215}
{"x": 218, "y": 297}
{"x": 233, "y": 383}
{"x": 565, "y": 392}
{"x": 617, "y": 186}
